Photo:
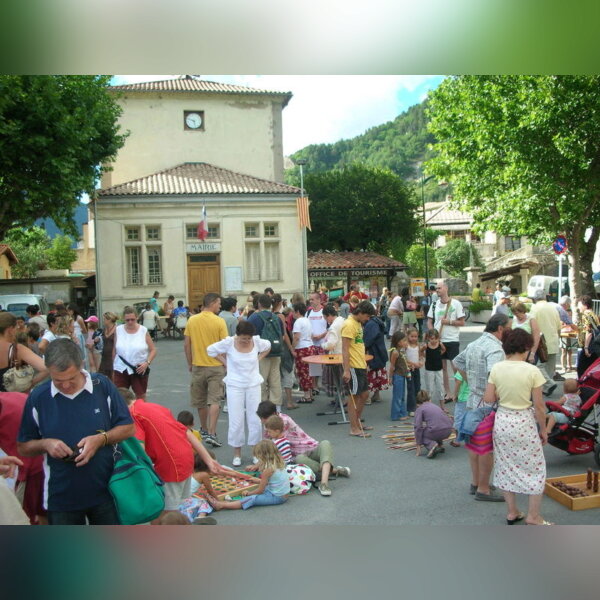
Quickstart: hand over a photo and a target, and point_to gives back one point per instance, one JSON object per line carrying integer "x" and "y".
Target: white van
{"x": 549, "y": 285}
{"x": 17, "y": 303}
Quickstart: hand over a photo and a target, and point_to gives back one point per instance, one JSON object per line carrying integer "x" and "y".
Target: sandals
{"x": 305, "y": 401}
{"x": 544, "y": 522}
{"x": 455, "y": 444}
{"x": 518, "y": 518}
{"x": 361, "y": 435}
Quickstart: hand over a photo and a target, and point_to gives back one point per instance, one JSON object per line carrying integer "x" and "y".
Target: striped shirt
{"x": 284, "y": 448}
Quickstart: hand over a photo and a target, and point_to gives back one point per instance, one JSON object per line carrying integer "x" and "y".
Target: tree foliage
{"x": 30, "y": 247}
{"x": 361, "y": 208}
{"x": 457, "y": 255}
{"x": 61, "y": 254}
{"x": 55, "y": 133}
{"x": 523, "y": 155}
{"x": 415, "y": 259}
{"x": 399, "y": 146}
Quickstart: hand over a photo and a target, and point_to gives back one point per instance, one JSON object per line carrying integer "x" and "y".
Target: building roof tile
{"x": 197, "y": 178}
{"x": 193, "y": 84}
{"x": 352, "y": 260}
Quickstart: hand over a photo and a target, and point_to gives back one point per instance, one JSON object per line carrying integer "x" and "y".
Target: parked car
{"x": 17, "y": 303}
{"x": 549, "y": 285}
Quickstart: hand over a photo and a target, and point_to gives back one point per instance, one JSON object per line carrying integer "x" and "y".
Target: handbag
{"x": 134, "y": 485}
{"x": 482, "y": 440}
{"x": 542, "y": 350}
{"x": 471, "y": 420}
{"x": 17, "y": 379}
{"x": 128, "y": 364}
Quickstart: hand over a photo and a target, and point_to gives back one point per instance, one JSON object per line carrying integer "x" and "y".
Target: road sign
{"x": 559, "y": 245}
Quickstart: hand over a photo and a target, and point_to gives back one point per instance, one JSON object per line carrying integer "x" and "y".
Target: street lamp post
{"x": 424, "y": 180}
{"x": 301, "y": 162}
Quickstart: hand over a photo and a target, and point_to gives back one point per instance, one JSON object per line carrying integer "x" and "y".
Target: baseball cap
{"x": 92, "y": 319}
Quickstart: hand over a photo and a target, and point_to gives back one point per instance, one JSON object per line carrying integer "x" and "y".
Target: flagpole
{"x": 301, "y": 162}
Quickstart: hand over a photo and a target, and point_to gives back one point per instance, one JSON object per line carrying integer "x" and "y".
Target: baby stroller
{"x": 580, "y": 434}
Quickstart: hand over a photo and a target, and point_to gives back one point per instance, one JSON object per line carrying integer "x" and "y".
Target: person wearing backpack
{"x": 75, "y": 418}
{"x": 269, "y": 327}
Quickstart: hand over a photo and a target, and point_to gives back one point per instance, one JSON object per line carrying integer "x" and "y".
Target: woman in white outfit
{"x": 240, "y": 355}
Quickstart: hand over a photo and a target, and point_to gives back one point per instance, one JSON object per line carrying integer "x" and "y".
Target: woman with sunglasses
{"x": 133, "y": 354}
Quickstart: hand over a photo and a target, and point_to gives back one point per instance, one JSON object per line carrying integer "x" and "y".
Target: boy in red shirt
{"x": 170, "y": 445}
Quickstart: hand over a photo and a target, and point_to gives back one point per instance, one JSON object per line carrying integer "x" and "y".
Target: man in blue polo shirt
{"x": 75, "y": 419}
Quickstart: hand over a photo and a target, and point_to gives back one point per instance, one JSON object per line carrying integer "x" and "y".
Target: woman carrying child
{"x": 240, "y": 355}
{"x": 432, "y": 426}
{"x": 399, "y": 373}
{"x": 274, "y": 484}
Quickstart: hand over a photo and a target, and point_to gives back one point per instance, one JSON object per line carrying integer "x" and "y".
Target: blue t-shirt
{"x": 75, "y": 488}
{"x": 259, "y": 323}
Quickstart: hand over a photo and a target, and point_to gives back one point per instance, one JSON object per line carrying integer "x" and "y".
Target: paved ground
{"x": 387, "y": 487}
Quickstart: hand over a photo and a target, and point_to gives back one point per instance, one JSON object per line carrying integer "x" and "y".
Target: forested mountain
{"x": 399, "y": 145}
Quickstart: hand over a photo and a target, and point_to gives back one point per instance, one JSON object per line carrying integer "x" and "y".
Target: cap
{"x": 92, "y": 319}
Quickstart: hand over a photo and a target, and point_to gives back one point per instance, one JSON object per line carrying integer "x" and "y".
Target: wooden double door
{"x": 204, "y": 275}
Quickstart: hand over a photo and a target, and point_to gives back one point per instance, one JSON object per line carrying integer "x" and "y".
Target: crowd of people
{"x": 250, "y": 359}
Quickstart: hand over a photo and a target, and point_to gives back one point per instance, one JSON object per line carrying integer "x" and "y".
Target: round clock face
{"x": 193, "y": 120}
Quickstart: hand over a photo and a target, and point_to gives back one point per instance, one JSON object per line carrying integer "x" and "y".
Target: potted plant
{"x": 481, "y": 311}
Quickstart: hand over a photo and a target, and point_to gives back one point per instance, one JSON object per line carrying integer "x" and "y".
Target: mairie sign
{"x": 204, "y": 247}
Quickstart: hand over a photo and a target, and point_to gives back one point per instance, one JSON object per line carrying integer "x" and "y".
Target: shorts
{"x": 560, "y": 417}
{"x": 137, "y": 383}
{"x": 358, "y": 381}
{"x": 409, "y": 317}
{"x": 176, "y": 492}
{"x": 460, "y": 409}
{"x": 452, "y": 350}
{"x": 207, "y": 387}
{"x": 287, "y": 379}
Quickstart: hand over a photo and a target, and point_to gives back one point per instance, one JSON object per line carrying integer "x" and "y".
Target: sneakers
{"x": 549, "y": 391}
{"x": 491, "y": 497}
{"x": 433, "y": 452}
{"x": 213, "y": 440}
{"x": 342, "y": 471}
{"x": 237, "y": 461}
{"x": 205, "y": 521}
{"x": 225, "y": 409}
{"x": 254, "y": 460}
{"x": 558, "y": 377}
{"x": 473, "y": 489}
{"x": 324, "y": 489}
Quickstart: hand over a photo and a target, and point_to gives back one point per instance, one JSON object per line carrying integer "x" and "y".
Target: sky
{"x": 328, "y": 108}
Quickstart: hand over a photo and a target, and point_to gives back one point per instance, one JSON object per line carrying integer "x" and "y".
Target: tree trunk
{"x": 588, "y": 249}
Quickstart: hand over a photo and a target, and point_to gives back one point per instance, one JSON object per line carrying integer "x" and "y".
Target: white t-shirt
{"x": 149, "y": 319}
{"x": 303, "y": 327}
{"x": 318, "y": 325}
{"x": 242, "y": 367}
{"x": 450, "y": 333}
{"x": 396, "y": 304}
{"x": 132, "y": 347}
{"x": 48, "y": 335}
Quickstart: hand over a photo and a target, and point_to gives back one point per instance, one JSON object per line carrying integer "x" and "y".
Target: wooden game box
{"x": 579, "y": 481}
{"x": 233, "y": 485}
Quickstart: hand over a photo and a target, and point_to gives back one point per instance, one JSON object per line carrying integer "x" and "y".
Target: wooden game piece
{"x": 589, "y": 479}
{"x": 595, "y": 482}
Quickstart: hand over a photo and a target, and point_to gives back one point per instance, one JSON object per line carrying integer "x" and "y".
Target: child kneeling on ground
{"x": 432, "y": 425}
{"x": 274, "y": 482}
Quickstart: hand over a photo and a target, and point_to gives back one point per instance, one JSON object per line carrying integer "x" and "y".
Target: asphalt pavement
{"x": 387, "y": 487}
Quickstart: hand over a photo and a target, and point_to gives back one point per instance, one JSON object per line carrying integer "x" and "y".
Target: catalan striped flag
{"x": 203, "y": 225}
{"x": 303, "y": 213}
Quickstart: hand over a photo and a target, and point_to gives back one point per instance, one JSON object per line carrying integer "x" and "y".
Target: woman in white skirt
{"x": 519, "y": 428}
{"x": 240, "y": 355}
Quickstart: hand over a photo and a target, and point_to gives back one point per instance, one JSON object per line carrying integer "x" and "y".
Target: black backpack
{"x": 272, "y": 331}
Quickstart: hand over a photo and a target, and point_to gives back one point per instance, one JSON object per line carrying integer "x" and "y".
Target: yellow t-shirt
{"x": 353, "y": 329}
{"x": 514, "y": 381}
{"x": 203, "y": 330}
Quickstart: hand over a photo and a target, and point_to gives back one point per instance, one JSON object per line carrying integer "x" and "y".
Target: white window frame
{"x": 262, "y": 241}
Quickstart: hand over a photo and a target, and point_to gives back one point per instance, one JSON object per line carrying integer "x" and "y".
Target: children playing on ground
{"x": 461, "y": 393}
{"x": 432, "y": 425}
{"x": 570, "y": 400}
{"x": 415, "y": 362}
{"x": 274, "y": 484}
{"x": 434, "y": 380}
{"x": 185, "y": 417}
{"x": 274, "y": 431}
{"x": 399, "y": 373}
{"x": 194, "y": 508}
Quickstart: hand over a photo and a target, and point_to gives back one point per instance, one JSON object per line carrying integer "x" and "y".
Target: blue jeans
{"x": 399, "y": 397}
{"x": 103, "y": 514}
{"x": 414, "y": 387}
{"x": 267, "y": 498}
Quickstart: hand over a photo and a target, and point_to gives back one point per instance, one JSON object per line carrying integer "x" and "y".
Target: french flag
{"x": 203, "y": 225}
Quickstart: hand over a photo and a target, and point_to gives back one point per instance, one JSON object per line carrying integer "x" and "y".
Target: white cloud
{"x": 327, "y": 108}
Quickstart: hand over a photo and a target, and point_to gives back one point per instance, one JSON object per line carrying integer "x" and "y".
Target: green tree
{"x": 55, "y": 133}
{"x": 61, "y": 255}
{"x": 456, "y": 256}
{"x": 360, "y": 208}
{"x": 30, "y": 247}
{"x": 415, "y": 259}
{"x": 523, "y": 155}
